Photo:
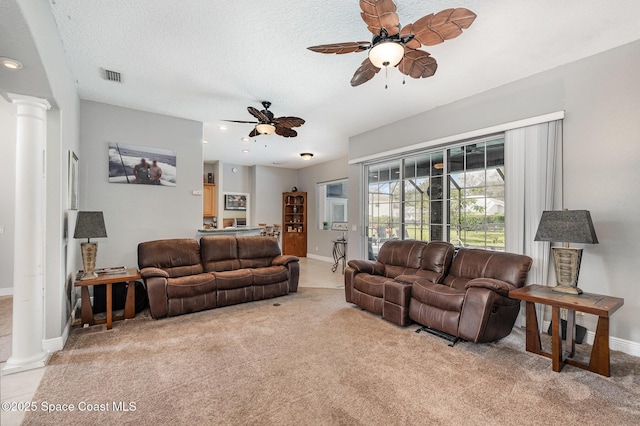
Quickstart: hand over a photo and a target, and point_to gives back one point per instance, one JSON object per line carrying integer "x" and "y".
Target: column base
{"x": 38, "y": 361}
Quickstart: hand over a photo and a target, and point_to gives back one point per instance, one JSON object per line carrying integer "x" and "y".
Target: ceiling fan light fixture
{"x": 386, "y": 54}
{"x": 265, "y": 128}
{"x": 306, "y": 156}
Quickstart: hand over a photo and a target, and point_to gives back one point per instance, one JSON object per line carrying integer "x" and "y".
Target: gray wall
{"x": 269, "y": 184}
{"x": 137, "y": 213}
{"x": 600, "y": 96}
{"x": 7, "y": 206}
{"x": 309, "y": 177}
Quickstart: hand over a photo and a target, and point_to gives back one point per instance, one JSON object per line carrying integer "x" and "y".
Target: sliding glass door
{"x": 451, "y": 194}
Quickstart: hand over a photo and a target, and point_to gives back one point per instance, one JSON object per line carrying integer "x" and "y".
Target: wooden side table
{"x": 130, "y": 277}
{"x": 596, "y": 304}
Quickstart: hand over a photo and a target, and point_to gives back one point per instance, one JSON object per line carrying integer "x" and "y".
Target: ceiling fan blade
{"x": 364, "y": 73}
{"x": 289, "y": 122}
{"x": 445, "y": 25}
{"x": 240, "y": 121}
{"x": 378, "y": 14}
{"x": 254, "y": 133}
{"x": 341, "y": 48}
{"x": 258, "y": 114}
{"x": 408, "y": 30}
{"x": 417, "y": 64}
{"x": 285, "y": 132}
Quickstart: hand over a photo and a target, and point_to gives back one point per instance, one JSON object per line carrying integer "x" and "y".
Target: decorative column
{"x": 29, "y": 260}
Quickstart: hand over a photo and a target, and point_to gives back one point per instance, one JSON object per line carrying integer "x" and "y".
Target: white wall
{"x": 7, "y": 207}
{"x": 309, "y": 177}
{"x": 600, "y": 96}
{"x": 137, "y": 213}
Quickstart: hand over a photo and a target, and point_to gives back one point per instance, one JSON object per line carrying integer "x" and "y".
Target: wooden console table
{"x": 130, "y": 277}
{"x": 596, "y": 304}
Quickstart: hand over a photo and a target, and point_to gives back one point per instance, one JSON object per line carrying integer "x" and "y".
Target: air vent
{"x": 112, "y": 76}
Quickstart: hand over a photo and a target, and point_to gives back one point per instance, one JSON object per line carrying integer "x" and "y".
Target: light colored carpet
{"x": 6, "y": 322}
{"x": 310, "y": 358}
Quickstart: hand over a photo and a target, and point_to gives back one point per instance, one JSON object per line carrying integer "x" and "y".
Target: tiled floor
{"x": 21, "y": 387}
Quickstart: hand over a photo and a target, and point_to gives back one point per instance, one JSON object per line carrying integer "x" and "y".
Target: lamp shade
{"x": 567, "y": 226}
{"x": 90, "y": 225}
{"x": 386, "y": 54}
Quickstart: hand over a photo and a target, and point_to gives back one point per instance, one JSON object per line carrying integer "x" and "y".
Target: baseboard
{"x": 322, "y": 258}
{"x": 6, "y": 291}
{"x": 57, "y": 343}
{"x": 615, "y": 343}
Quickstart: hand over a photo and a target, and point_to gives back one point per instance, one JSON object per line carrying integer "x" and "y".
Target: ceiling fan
{"x": 393, "y": 45}
{"x": 267, "y": 124}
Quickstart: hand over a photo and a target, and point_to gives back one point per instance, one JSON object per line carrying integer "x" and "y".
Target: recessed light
{"x": 205, "y": 141}
{"x": 245, "y": 151}
{"x": 246, "y": 139}
{"x": 11, "y": 64}
{"x": 221, "y": 127}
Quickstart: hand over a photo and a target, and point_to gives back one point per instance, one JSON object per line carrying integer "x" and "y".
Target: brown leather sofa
{"x": 465, "y": 298}
{"x": 399, "y": 264}
{"x": 183, "y": 276}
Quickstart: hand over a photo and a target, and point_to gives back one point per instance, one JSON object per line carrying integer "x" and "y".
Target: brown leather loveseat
{"x": 183, "y": 276}
{"x": 465, "y": 298}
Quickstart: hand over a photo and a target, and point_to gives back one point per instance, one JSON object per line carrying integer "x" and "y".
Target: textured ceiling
{"x": 208, "y": 60}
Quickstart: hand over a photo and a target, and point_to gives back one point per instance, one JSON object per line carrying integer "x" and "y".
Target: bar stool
{"x": 277, "y": 229}
{"x": 269, "y": 230}
{"x": 263, "y": 231}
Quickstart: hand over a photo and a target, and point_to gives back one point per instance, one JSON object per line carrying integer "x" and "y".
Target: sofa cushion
{"x": 191, "y": 285}
{"x": 219, "y": 253}
{"x": 178, "y": 257}
{"x": 438, "y": 295}
{"x": 402, "y": 254}
{"x": 269, "y": 275}
{"x": 474, "y": 263}
{"x": 436, "y": 260}
{"x": 227, "y": 280}
{"x": 257, "y": 252}
{"x": 372, "y": 285}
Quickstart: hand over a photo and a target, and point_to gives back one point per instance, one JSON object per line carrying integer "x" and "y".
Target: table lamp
{"x": 89, "y": 225}
{"x": 567, "y": 226}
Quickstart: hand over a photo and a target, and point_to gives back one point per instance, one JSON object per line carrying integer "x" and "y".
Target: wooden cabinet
{"x": 294, "y": 223}
{"x": 209, "y": 200}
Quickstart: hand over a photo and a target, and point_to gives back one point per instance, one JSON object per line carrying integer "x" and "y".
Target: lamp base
{"x": 566, "y": 289}
{"x": 567, "y": 264}
{"x": 89, "y": 252}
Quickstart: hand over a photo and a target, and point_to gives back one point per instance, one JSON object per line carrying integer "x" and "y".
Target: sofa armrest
{"x": 499, "y": 286}
{"x": 284, "y": 259}
{"x": 367, "y": 266}
{"x": 153, "y": 272}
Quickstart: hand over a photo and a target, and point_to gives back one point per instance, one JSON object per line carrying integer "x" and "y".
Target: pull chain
{"x": 386, "y": 77}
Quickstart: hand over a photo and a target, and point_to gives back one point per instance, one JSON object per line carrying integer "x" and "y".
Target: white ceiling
{"x": 208, "y": 60}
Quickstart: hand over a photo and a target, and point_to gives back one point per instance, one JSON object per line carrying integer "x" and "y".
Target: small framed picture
{"x": 339, "y": 226}
{"x": 72, "y": 196}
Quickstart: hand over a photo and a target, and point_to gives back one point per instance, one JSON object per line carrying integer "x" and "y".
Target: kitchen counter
{"x": 243, "y": 231}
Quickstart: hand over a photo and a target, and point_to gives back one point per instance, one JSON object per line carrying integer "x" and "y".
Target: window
{"x": 332, "y": 203}
{"x": 451, "y": 194}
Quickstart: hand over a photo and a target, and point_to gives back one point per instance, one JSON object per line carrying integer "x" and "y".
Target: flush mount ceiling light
{"x": 265, "y": 128}
{"x": 245, "y": 151}
{"x": 306, "y": 156}
{"x": 11, "y": 64}
{"x": 438, "y": 166}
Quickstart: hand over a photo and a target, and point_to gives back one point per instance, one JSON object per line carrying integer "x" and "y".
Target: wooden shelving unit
{"x": 294, "y": 223}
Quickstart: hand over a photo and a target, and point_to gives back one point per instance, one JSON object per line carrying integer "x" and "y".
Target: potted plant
{"x": 325, "y": 225}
